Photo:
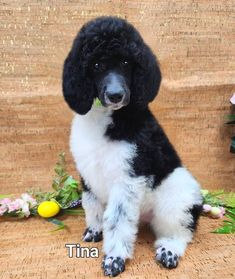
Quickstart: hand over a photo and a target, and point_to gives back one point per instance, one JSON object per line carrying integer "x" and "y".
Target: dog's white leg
{"x": 94, "y": 217}
{"x": 120, "y": 226}
{"x": 177, "y": 208}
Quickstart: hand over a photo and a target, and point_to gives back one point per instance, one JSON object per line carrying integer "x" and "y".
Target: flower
{"x": 217, "y": 212}
{"x": 14, "y": 205}
{"x": 18, "y": 206}
{"x": 75, "y": 203}
{"x": 3, "y": 209}
{"x": 232, "y": 99}
{"x": 206, "y": 208}
{"x": 25, "y": 209}
{"x": 4, "y": 205}
{"x": 5, "y": 201}
{"x": 29, "y": 199}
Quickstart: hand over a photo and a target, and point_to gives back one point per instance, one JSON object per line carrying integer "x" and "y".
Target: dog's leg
{"x": 94, "y": 215}
{"x": 120, "y": 226}
{"x": 177, "y": 209}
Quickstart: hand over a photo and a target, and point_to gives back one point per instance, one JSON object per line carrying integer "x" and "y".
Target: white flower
{"x": 232, "y": 100}
{"x": 25, "y": 209}
{"x": 24, "y": 206}
{"x": 29, "y": 199}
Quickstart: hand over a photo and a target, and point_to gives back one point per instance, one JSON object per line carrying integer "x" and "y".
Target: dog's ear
{"x": 78, "y": 88}
{"x": 146, "y": 76}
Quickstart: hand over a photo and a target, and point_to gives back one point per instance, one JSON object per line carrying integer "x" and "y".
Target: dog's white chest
{"x": 101, "y": 162}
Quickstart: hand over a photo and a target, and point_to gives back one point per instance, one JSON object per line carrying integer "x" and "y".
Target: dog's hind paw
{"x": 92, "y": 235}
{"x": 167, "y": 258}
{"x": 113, "y": 266}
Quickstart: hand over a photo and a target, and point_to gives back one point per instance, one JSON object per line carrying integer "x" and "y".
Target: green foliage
{"x": 220, "y": 198}
{"x": 5, "y": 196}
{"x": 230, "y": 117}
{"x": 74, "y": 212}
{"x": 65, "y": 191}
{"x": 60, "y": 224}
{"x": 229, "y": 225}
{"x": 65, "y": 188}
{"x": 226, "y": 200}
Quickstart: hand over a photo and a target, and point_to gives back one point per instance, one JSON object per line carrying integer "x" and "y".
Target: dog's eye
{"x": 96, "y": 66}
{"x": 125, "y": 63}
{"x": 99, "y": 66}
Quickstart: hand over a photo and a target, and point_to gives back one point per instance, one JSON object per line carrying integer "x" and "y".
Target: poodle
{"x": 130, "y": 172}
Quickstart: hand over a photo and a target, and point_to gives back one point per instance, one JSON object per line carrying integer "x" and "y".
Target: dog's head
{"x": 109, "y": 60}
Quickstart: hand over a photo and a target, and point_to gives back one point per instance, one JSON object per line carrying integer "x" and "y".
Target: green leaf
{"x": 229, "y": 199}
{"x": 75, "y": 196}
{"x": 217, "y": 193}
{"x": 230, "y": 216}
{"x": 5, "y": 196}
{"x": 74, "y": 211}
{"x": 226, "y": 221}
{"x": 225, "y": 229}
{"x": 231, "y": 211}
{"x": 97, "y": 102}
{"x": 60, "y": 224}
{"x": 62, "y": 227}
{"x": 230, "y": 117}
{"x": 70, "y": 182}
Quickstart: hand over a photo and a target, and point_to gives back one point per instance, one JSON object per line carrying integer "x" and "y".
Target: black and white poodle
{"x": 129, "y": 169}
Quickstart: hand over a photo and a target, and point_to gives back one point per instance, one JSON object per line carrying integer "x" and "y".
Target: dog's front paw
{"x": 113, "y": 266}
{"x": 92, "y": 235}
{"x": 167, "y": 258}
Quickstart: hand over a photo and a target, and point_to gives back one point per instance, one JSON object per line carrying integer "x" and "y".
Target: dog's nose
{"x": 115, "y": 97}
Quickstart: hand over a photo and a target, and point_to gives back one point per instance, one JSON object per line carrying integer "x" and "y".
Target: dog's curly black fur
{"x": 108, "y": 36}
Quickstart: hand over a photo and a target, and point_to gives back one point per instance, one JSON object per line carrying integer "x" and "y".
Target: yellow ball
{"x": 48, "y": 209}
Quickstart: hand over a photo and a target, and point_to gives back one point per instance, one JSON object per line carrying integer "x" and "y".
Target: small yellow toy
{"x": 48, "y": 209}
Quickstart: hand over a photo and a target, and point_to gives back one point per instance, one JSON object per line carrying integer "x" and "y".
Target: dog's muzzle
{"x": 115, "y": 92}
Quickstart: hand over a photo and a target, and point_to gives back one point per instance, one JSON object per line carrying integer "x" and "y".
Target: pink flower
{"x": 24, "y": 207}
{"x": 232, "y": 100}
{"x": 217, "y": 212}
{"x": 14, "y": 205}
{"x": 19, "y": 205}
{"x": 5, "y": 201}
{"x": 3, "y": 209}
{"x": 222, "y": 212}
{"x": 29, "y": 199}
{"x": 206, "y": 208}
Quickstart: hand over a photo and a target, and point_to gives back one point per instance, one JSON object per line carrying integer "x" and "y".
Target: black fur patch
{"x": 106, "y": 37}
{"x": 113, "y": 266}
{"x": 155, "y": 154}
{"x": 195, "y": 211}
{"x": 85, "y": 188}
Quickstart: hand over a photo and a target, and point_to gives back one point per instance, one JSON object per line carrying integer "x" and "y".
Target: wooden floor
{"x": 29, "y": 250}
